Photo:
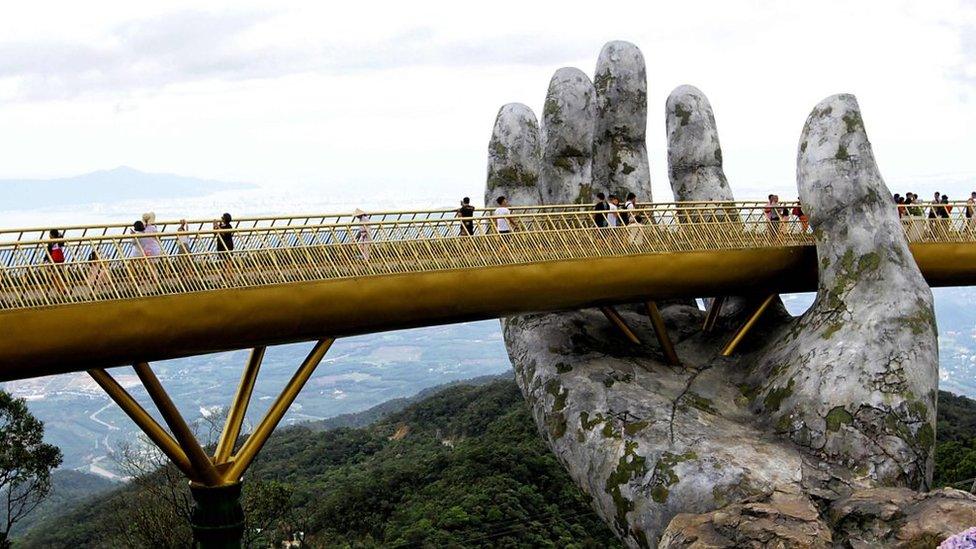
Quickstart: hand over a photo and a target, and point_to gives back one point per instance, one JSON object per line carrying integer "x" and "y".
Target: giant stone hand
{"x": 819, "y": 432}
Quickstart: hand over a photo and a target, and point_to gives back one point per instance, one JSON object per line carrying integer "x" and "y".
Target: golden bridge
{"x": 319, "y": 277}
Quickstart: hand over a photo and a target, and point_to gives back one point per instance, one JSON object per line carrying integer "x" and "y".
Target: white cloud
{"x": 400, "y": 97}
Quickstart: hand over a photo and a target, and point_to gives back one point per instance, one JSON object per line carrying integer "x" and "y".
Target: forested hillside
{"x": 462, "y": 467}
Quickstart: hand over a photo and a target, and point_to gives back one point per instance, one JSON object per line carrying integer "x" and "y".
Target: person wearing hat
{"x": 150, "y": 244}
{"x": 362, "y": 235}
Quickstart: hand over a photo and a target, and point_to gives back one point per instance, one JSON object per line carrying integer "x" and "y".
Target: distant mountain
{"x": 122, "y": 183}
{"x": 376, "y": 413}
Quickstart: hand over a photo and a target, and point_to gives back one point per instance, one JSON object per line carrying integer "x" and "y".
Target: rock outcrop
{"x": 694, "y": 152}
{"x": 619, "y": 149}
{"x": 514, "y": 154}
{"x": 696, "y": 175}
{"x": 789, "y": 443}
{"x": 854, "y": 380}
{"x": 567, "y": 138}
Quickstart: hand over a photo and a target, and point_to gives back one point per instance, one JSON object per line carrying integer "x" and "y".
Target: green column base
{"x": 218, "y": 518}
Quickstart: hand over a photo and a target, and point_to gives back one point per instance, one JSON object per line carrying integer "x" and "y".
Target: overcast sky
{"x": 357, "y": 96}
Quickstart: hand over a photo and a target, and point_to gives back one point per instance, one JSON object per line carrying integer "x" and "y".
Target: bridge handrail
{"x": 382, "y": 214}
{"x": 684, "y": 209}
{"x": 191, "y": 260}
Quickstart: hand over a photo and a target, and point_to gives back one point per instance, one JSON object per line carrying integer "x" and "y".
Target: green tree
{"x": 25, "y": 463}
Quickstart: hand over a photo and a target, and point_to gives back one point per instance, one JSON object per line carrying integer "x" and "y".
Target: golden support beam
{"x": 662, "y": 334}
{"x": 253, "y": 444}
{"x": 744, "y": 330}
{"x": 711, "y": 315}
{"x": 614, "y": 317}
{"x": 235, "y": 418}
{"x": 201, "y": 463}
{"x": 140, "y": 417}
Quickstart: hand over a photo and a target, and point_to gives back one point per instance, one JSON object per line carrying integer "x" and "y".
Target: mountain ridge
{"x": 108, "y": 185}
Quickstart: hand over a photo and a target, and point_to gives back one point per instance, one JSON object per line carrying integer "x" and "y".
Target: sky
{"x": 398, "y": 99}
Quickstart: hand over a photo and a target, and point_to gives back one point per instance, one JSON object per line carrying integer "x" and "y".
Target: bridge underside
{"x": 77, "y": 337}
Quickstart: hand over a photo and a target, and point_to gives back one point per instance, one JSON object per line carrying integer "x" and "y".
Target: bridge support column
{"x": 614, "y": 317}
{"x": 711, "y": 315}
{"x": 744, "y": 330}
{"x": 217, "y": 520}
{"x": 657, "y": 321}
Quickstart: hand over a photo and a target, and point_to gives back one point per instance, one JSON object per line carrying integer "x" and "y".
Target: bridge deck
{"x": 297, "y": 279}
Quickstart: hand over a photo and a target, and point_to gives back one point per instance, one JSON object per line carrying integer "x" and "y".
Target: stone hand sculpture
{"x": 820, "y": 432}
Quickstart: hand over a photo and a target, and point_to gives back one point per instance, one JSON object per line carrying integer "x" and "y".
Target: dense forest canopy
{"x": 464, "y": 466}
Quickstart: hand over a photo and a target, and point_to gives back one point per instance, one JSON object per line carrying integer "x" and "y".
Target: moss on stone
{"x": 563, "y": 367}
{"x": 836, "y": 417}
{"x": 922, "y": 320}
{"x": 853, "y": 121}
{"x": 832, "y": 329}
{"x": 562, "y": 163}
{"x": 588, "y": 424}
{"x": 664, "y": 476}
{"x": 632, "y": 429}
{"x": 774, "y": 398}
{"x": 556, "y": 424}
{"x": 699, "y": 402}
{"x": 551, "y": 110}
{"x": 681, "y": 113}
{"x": 926, "y": 437}
{"x": 559, "y": 394}
{"x": 512, "y": 176}
{"x": 842, "y": 152}
{"x": 630, "y": 466}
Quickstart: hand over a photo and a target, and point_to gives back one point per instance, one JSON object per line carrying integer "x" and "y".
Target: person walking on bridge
{"x": 466, "y": 213}
{"x": 225, "y": 238}
{"x": 503, "y": 225}
{"x": 362, "y": 234}
{"x": 56, "y": 255}
{"x": 633, "y": 221}
{"x": 150, "y": 244}
{"x": 970, "y": 210}
{"x": 799, "y": 213}
{"x": 613, "y": 209}
{"x": 601, "y": 206}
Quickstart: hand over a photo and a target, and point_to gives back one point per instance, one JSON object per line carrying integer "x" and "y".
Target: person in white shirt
{"x": 502, "y": 223}
{"x": 630, "y": 217}
{"x": 613, "y": 218}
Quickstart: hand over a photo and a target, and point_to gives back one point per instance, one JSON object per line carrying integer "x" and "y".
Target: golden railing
{"x": 112, "y": 265}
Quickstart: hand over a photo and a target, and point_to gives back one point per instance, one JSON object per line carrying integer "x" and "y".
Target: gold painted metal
{"x": 657, "y": 322}
{"x": 238, "y": 409}
{"x": 614, "y": 317}
{"x": 249, "y": 450}
{"x": 202, "y": 466}
{"x": 711, "y": 315}
{"x": 144, "y": 421}
{"x": 744, "y": 330}
{"x": 300, "y": 279}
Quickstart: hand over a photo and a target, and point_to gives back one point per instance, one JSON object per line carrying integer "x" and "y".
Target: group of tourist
{"x": 147, "y": 243}
{"x": 939, "y": 208}
{"x": 608, "y": 212}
